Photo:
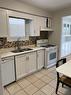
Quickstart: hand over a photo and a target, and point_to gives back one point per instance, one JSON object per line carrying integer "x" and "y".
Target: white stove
{"x": 50, "y": 52}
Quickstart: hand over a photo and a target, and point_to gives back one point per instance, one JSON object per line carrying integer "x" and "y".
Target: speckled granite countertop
{"x": 9, "y": 53}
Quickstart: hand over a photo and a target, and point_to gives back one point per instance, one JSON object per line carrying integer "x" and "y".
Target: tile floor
{"x": 39, "y": 83}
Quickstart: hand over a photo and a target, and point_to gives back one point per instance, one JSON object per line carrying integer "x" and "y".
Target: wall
{"x": 57, "y": 26}
{"x": 20, "y": 6}
{"x": 1, "y": 90}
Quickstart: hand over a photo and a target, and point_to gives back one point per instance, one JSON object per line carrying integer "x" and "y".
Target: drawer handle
{"x": 2, "y": 59}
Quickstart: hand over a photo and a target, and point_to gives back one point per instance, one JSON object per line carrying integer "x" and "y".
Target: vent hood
{"x": 46, "y": 29}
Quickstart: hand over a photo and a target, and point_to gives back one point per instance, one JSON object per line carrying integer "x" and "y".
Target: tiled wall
{"x": 32, "y": 40}
{"x": 6, "y": 44}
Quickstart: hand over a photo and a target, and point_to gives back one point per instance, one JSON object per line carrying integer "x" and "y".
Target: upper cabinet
{"x": 46, "y": 24}
{"x": 32, "y": 27}
{"x": 3, "y": 23}
{"x": 37, "y": 23}
{"x": 42, "y": 22}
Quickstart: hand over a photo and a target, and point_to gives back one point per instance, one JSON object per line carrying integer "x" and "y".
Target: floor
{"x": 39, "y": 83}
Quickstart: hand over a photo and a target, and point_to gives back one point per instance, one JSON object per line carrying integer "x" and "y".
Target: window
{"x": 16, "y": 27}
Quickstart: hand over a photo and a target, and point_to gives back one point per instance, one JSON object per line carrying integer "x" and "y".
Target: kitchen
{"x": 25, "y": 53}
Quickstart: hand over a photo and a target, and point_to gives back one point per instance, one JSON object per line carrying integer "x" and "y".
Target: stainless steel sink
{"x": 22, "y": 50}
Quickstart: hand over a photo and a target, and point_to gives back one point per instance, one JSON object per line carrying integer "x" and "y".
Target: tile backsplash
{"x": 7, "y": 44}
{"x": 32, "y": 40}
{"x": 3, "y": 40}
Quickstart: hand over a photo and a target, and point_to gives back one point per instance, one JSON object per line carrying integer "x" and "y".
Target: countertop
{"x": 9, "y": 54}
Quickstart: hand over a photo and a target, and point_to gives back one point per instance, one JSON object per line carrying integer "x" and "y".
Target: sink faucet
{"x": 18, "y": 44}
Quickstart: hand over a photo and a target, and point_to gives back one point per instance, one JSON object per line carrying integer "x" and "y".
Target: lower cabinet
{"x": 20, "y": 62}
{"x": 7, "y": 70}
{"x": 25, "y": 64}
{"x": 40, "y": 59}
{"x": 31, "y": 62}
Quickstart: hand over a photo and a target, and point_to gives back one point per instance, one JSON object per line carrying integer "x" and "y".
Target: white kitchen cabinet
{"x": 42, "y": 22}
{"x": 31, "y": 62}
{"x": 36, "y": 24}
{"x": 3, "y": 23}
{"x": 34, "y": 27}
{"x": 20, "y": 61}
{"x": 25, "y": 64}
{"x": 7, "y": 70}
{"x": 40, "y": 59}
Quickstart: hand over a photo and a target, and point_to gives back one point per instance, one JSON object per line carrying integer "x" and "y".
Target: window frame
{"x": 15, "y": 39}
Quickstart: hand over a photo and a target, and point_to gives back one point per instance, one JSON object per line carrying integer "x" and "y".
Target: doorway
{"x": 66, "y": 36}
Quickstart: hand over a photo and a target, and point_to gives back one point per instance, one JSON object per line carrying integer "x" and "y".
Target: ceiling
{"x": 51, "y": 5}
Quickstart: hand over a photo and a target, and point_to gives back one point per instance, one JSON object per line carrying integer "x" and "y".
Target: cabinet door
{"x": 31, "y": 62}
{"x": 20, "y": 66}
{"x": 8, "y": 72}
{"x": 3, "y": 23}
{"x": 40, "y": 59}
{"x": 35, "y": 27}
{"x": 42, "y": 22}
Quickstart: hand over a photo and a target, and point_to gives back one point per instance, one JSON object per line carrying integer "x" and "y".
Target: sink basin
{"x": 26, "y": 49}
{"x": 22, "y": 50}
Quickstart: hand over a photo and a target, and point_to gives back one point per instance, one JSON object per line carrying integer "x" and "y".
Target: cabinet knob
{"x": 2, "y": 59}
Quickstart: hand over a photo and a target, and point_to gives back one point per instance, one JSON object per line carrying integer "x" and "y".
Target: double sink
{"x": 21, "y": 50}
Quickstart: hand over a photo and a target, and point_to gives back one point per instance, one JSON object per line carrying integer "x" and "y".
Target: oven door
{"x": 50, "y": 57}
